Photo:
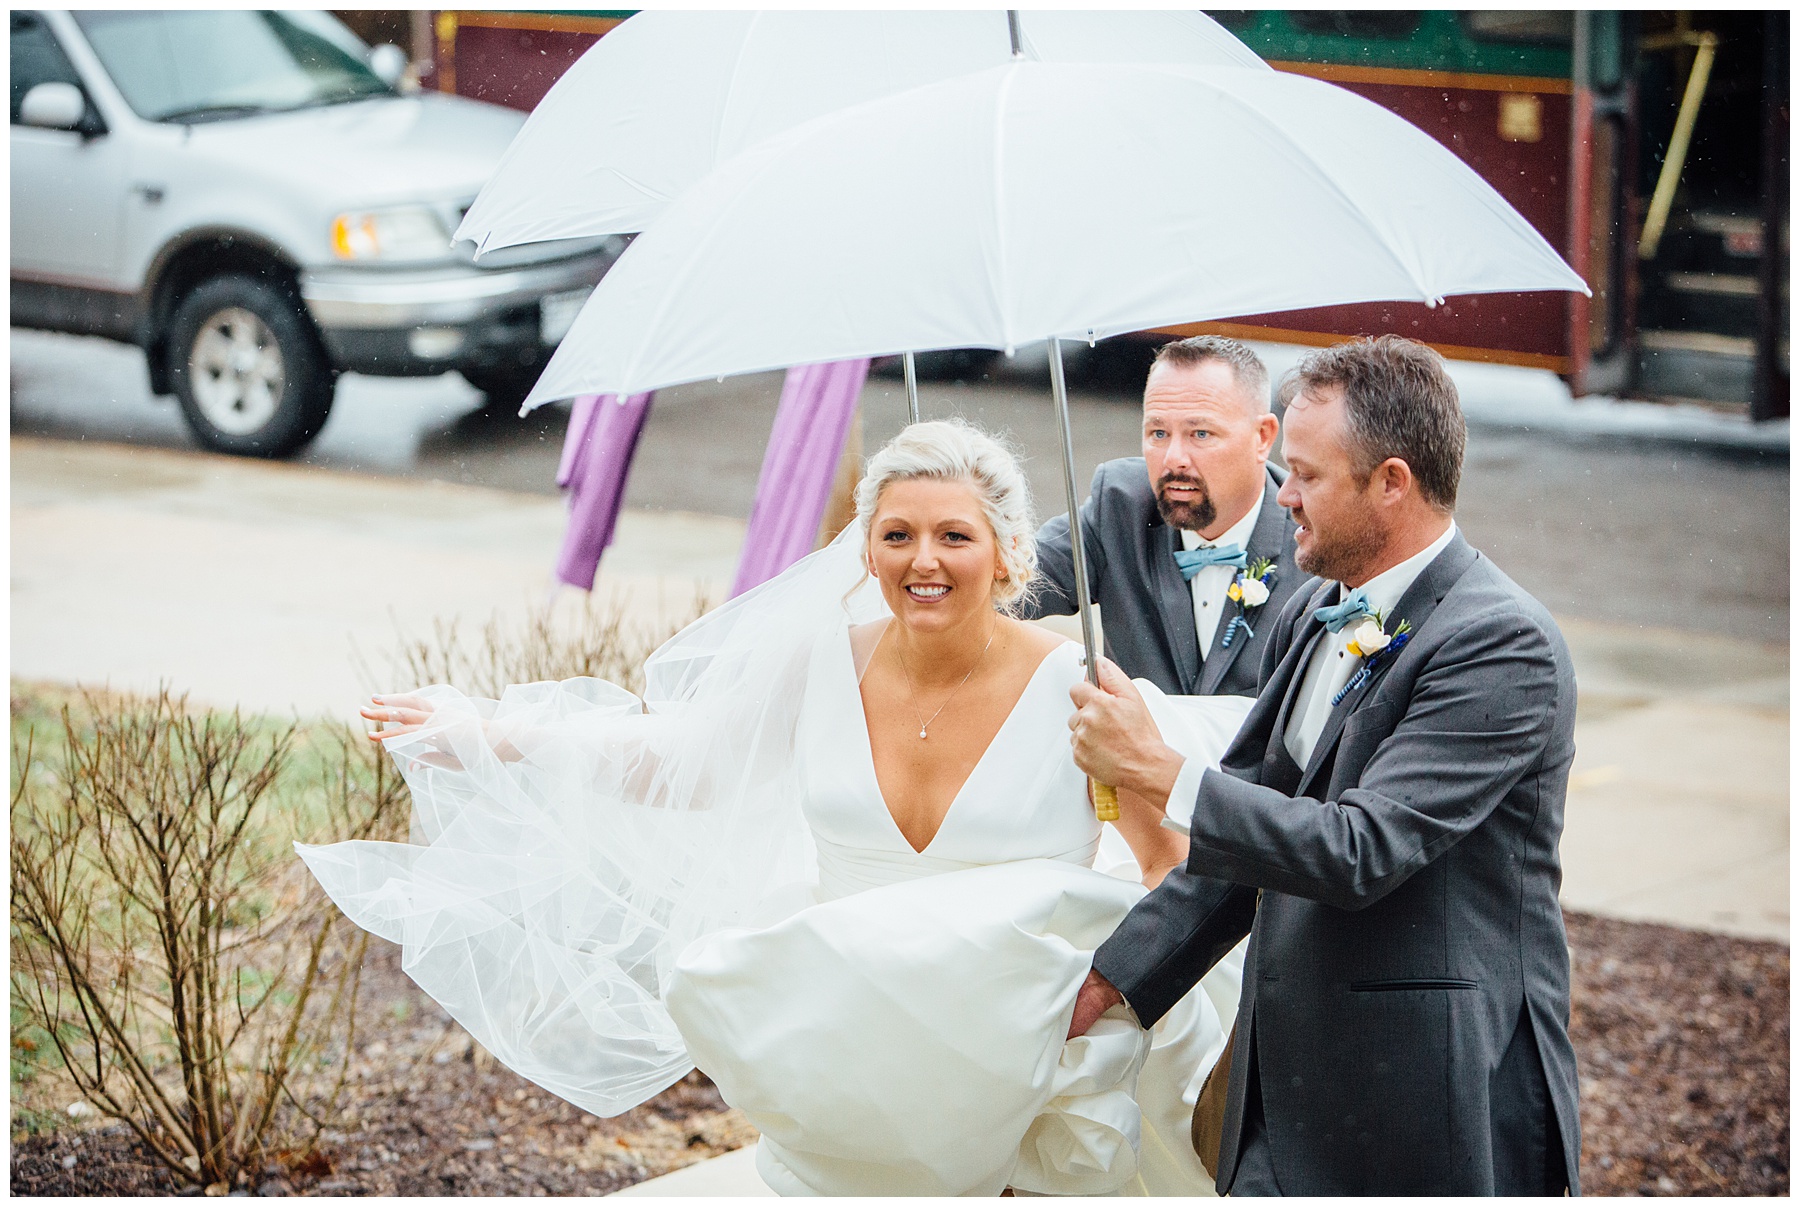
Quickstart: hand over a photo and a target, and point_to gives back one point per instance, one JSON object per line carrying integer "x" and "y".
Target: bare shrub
{"x": 185, "y": 967}
{"x": 601, "y": 641}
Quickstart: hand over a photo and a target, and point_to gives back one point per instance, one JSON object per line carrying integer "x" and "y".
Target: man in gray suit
{"x": 1385, "y": 827}
{"x": 1172, "y": 535}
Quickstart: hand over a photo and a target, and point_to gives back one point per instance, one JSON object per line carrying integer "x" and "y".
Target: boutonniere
{"x": 1374, "y": 645}
{"x": 1251, "y": 590}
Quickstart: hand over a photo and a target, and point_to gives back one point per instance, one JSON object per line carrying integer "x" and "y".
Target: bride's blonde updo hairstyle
{"x": 952, "y": 450}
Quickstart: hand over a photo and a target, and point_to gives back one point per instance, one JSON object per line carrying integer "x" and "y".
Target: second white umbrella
{"x": 668, "y": 96}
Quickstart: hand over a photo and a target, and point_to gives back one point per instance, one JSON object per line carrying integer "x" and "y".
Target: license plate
{"x": 556, "y": 313}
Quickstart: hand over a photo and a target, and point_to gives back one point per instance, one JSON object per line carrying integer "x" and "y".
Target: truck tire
{"x": 249, "y": 369}
{"x": 505, "y": 387}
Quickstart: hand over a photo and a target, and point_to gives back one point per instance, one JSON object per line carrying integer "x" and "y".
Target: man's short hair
{"x": 1247, "y": 369}
{"x": 1400, "y": 402}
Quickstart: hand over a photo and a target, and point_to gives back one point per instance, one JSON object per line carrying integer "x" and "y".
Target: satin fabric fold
{"x": 903, "y": 1039}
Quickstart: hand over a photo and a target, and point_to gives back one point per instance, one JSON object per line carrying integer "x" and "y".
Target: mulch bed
{"x": 426, "y": 1112}
{"x": 1682, "y": 1039}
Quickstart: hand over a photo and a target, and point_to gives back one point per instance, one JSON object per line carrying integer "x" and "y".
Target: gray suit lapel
{"x": 1416, "y": 606}
{"x": 1266, "y": 539}
{"x": 1176, "y": 602}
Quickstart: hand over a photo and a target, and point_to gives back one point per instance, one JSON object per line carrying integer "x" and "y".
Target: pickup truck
{"x": 255, "y": 200}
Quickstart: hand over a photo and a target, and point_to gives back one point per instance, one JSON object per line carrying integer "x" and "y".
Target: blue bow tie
{"x": 1191, "y": 561}
{"x": 1336, "y": 616}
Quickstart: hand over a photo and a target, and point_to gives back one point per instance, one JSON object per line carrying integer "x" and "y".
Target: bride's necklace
{"x": 924, "y": 723}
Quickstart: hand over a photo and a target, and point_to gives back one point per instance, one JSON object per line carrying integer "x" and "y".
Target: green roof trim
{"x": 1440, "y": 40}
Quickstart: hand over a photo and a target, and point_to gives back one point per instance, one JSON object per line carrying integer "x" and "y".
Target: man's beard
{"x": 1196, "y": 515}
{"x": 1343, "y": 554}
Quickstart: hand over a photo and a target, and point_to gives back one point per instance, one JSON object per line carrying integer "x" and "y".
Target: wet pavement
{"x": 1602, "y": 514}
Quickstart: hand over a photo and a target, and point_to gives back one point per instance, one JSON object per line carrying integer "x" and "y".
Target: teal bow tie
{"x": 1354, "y": 607}
{"x": 1191, "y": 561}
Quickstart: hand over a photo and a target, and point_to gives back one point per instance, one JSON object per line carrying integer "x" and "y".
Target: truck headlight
{"x": 406, "y": 232}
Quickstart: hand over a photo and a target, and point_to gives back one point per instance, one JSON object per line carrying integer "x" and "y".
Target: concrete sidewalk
{"x": 284, "y": 589}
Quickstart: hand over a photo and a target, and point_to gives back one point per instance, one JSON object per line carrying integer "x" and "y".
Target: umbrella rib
{"x": 1486, "y": 197}
{"x": 737, "y": 70}
{"x": 1336, "y": 189}
{"x": 1003, "y": 284}
{"x": 675, "y": 278}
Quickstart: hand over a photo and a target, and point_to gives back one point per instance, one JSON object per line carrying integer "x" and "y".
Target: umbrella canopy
{"x": 667, "y": 96}
{"x": 1040, "y": 200}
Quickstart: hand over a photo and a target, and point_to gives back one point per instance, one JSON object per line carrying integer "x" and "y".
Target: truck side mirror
{"x": 53, "y": 106}
{"x": 388, "y": 62}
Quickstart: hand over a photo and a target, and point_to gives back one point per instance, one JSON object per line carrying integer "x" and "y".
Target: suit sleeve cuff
{"x": 1178, "y": 814}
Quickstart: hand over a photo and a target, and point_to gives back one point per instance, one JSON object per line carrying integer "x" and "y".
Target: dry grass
{"x": 601, "y": 639}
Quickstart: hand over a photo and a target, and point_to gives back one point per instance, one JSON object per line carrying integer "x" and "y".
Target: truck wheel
{"x": 505, "y": 386}
{"x": 248, "y": 368}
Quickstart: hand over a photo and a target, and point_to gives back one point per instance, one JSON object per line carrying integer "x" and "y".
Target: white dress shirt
{"x": 1330, "y": 668}
{"x": 1211, "y": 583}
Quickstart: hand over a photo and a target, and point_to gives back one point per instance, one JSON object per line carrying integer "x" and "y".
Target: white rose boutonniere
{"x": 1374, "y": 645}
{"x": 1251, "y": 591}
{"x": 1370, "y": 638}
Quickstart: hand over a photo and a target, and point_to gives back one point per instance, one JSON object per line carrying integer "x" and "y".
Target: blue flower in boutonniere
{"x": 1251, "y": 590}
{"x": 1374, "y": 645}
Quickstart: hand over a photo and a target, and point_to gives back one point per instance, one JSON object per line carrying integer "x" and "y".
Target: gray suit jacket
{"x": 1148, "y": 610}
{"x": 1400, "y": 892}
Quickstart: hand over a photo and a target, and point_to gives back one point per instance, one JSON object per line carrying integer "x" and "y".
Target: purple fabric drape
{"x": 817, "y": 402}
{"x": 603, "y": 433}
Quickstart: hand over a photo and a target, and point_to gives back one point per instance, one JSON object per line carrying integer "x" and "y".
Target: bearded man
{"x": 1188, "y": 551}
{"x": 1385, "y": 827}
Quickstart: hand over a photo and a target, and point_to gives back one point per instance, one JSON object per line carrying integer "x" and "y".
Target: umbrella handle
{"x": 1106, "y": 800}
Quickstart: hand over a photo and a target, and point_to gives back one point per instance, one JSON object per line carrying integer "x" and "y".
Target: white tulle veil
{"x": 545, "y": 897}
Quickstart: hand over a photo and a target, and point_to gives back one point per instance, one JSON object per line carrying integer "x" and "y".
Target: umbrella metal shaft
{"x": 912, "y": 387}
{"x": 1106, "y": 798}
{"x": 1059, "y": 389}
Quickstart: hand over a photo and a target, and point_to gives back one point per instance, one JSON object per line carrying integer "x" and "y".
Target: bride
{"x": 838, "y": 856}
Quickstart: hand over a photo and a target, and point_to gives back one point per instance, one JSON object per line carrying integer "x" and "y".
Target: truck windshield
{"x": 202, "y": 65}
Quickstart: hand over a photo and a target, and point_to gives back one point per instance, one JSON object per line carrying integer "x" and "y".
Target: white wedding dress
{"x": 712, "y": 878}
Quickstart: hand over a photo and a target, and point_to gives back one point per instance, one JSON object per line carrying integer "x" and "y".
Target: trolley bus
{"x": 1649, "y": 147}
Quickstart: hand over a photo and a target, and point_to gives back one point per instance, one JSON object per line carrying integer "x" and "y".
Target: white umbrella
{"x": 1045, "y": 201}
{"x": 668, "y": 96}
{"x": 1040, "y": 200}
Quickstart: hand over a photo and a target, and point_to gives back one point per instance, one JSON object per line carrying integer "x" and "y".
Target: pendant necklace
{"x": 925, "y": 724}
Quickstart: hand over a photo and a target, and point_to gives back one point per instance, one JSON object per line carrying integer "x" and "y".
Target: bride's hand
{"x": 400, "y": 716}
{"x": 396, "y": 716}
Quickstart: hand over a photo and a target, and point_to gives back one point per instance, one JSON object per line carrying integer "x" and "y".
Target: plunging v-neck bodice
{"x": 997, "y": 741}
{"x": 1023, "y": 799}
